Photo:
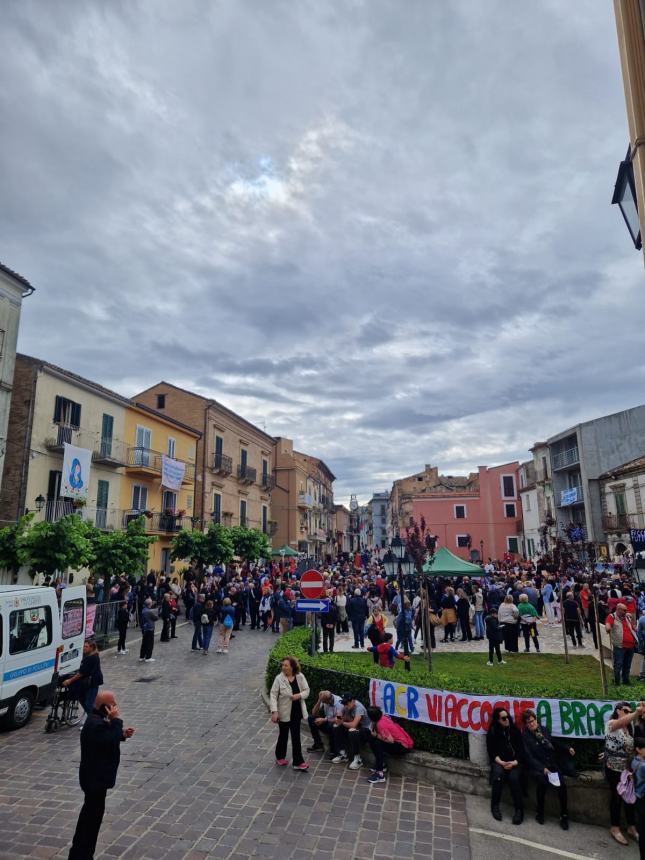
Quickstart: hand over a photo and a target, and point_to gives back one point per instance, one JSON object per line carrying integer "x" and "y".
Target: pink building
{"x": 484, "y": 519}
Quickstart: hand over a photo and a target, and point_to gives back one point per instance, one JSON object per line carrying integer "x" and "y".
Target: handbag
{"x": 625, "y": 787}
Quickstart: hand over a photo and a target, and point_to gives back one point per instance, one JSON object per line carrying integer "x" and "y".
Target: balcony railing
{"x": 58, "y": 434}
{"x": 222, "y": 464}
{"x": 147, "y": 460}
{"x": 246, "y": 474}
{"x": 570, "y": 457}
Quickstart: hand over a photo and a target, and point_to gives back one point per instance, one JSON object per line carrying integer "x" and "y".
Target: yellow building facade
{"x": 167, "y": 510}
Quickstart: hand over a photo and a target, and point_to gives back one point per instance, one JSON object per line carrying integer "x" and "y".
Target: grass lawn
{"x": 538, "y": 674}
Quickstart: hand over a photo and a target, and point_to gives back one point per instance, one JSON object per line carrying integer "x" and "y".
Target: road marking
{"x": 528, "y": 842}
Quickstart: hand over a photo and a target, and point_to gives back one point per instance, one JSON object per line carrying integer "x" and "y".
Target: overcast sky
{"x": 380, "y": 228}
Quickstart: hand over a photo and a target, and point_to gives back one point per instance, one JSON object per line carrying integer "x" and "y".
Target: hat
{"x": 347, "y": 697}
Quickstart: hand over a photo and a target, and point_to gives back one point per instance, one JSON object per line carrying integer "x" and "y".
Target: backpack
{"x": 228, "y": 621}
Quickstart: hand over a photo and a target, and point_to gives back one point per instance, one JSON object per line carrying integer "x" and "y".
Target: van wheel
{"x": 20, "y": 710}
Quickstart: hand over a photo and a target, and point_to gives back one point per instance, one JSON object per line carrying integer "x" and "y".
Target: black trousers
{"x": 122, "y": 634}
{"x": 147, "y": 644}
{"x": 328, "y": 638}
{"x": 542, "y": 785}
{"x": 498, "y": 777}
{"x": 88, "y": 826}
{"x": 616, "y": 801}
{"x": 293, "y": 727}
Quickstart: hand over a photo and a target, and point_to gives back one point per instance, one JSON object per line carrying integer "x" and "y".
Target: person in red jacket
{"x": 387, "y": 653}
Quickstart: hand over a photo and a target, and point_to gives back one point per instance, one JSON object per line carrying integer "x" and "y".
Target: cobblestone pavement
{"x": 198, "y": 779}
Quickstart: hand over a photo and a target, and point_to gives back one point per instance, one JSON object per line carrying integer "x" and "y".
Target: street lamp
{"x": 625, "y": 197}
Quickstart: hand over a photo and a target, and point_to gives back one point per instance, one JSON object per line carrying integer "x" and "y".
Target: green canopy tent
{"x": 445, "y": 563}
{"x": 284, "y": 551}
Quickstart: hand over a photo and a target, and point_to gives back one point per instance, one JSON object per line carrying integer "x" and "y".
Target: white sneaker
{"x": 356, "y": 763}
{"x": 150, "y": 659}
{"x": 489, "y": 663}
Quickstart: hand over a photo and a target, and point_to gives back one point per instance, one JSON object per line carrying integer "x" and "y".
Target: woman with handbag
{"x": 619, "y": 749}
{"x": 287, "y": 701}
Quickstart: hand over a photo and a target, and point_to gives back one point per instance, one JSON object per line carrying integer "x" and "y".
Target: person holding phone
{"x": 101, "y": 740}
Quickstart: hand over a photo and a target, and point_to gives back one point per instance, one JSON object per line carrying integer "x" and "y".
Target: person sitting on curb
{"x": 385, "y": 738}
{"x": 386, "y": 652}
{"x": 505, "y": 752}
{"x": 541, "y": 751}
{"x": 323, "y": 719}
{"x": 346, "y": 731}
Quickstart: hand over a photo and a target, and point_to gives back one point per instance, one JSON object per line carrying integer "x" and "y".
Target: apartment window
{"x": 460, "y": 512}
{"x": 509, "y": 510}
{"x": 139, "y": 498}
{"x": 67, "y": 413}
{"x": 265, "y": 513}
{"x": 512, "y": 545}
{"x": 462, "y": 541}
{"x": 508, "y": 486}
{"x": 161, "y": 401}
{"x": 172, "y": 444}
{"x": 217, "y": 508}
{"x": 243, "y": 513}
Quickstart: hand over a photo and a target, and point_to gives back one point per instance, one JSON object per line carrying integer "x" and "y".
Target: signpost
{"x": 312, "y": 586}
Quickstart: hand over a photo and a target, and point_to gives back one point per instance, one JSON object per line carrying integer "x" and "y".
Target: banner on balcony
{"x": 569, "y": 718}
{"x": 172, "y": 473}
{"x": 76, "y": 472}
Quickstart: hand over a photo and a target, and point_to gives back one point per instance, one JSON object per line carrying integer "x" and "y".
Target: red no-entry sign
{"x": 312, "y": 584}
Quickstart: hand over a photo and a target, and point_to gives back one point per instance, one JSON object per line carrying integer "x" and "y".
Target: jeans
{"x": 358, "y": 629}
{"x": 207, "y": 632}
{"x": 293, "y": 727}
{"x": 616, "y": 801}
{"x": 88, "y": 826}
{"x": 480, "y": 630}
{"x": 622, "y": 664}
{"x": 197, "y": 638}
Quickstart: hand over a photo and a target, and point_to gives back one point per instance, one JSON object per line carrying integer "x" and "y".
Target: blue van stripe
{"x": 27, "y": 670}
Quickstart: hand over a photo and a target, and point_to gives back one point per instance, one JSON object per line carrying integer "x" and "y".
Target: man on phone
{"x": 101, "y": 739}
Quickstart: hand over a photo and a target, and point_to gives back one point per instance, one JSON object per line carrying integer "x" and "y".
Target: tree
{"x": 250, "y": 544}
{"x": 51, "y": 548}
{"x": 121, "y": 552}
{"x": 11, "y": 557}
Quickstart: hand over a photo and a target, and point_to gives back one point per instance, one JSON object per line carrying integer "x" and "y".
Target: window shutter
{"x": 58, "y": 409}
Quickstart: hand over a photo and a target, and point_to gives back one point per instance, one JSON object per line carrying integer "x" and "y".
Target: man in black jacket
{"x": 101, "y": 739}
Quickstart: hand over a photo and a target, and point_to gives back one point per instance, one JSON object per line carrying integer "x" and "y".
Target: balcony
{"x": 305, "y": 500}
{"x": 246, "y": 474}
{"x": 564, "y": 459}
{"x": 267, "y": 482}
{"x": 145, "y": 462}
{"x": 222, "y": 464}
{"x": 58, "y": 434}
{"x": 571, "y": 496}
{"x": 109, "y": 452}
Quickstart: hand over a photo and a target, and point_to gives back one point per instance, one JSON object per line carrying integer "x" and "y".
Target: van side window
{"x": 29, "y": 629}
{"x": 73, "y": 617}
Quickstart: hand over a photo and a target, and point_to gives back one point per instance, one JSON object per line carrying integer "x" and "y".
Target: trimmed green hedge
{"x": 549, "y": 677}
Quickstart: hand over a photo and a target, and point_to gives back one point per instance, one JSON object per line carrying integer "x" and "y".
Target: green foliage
{"x": 215, "y": 546}
{"x": 122, "y": 551}
{"x": 51, "y": 547}
{"x": 11, "y": 557}
{"x": 250, "y": 544}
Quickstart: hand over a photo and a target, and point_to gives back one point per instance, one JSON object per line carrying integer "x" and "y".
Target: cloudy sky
{"x": 379, "y": 227}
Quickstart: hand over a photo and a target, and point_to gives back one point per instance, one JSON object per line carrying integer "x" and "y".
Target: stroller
{"x": 64, "y": 708}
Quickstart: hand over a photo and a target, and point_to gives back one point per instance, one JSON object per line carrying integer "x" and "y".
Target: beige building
{"x": 234, "y": 476}
{"x": 303, "y": 502}
{"x": 622, "y": 496}
{"x": 13, "y": 289}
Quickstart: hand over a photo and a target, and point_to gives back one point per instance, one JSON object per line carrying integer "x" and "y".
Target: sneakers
{"x": 356, "y": 763}
{"x": 303, "y": 766}
{"x": 316, "y": 748}
{"x": 281, "y": 762}
{"x": 377, "y": 776}
{"x": 342, "y": 756}
{"x": 150, "y": 659}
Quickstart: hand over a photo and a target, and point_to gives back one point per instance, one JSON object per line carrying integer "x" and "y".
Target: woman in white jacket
{"x": 288, "y": 709}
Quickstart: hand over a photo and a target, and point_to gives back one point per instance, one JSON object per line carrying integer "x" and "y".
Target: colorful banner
{"x": 75, "y": 480}
{"x": 571, "y": 718}
{"x": 172, "y": 473}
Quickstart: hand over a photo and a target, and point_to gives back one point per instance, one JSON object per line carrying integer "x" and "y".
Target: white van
{"x": 39, "y": 642}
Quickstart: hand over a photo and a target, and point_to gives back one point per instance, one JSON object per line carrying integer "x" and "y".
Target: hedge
{"x": 342, "y": 672}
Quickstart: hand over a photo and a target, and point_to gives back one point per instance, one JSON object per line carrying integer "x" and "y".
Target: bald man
{"x": 101, "y": 740}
